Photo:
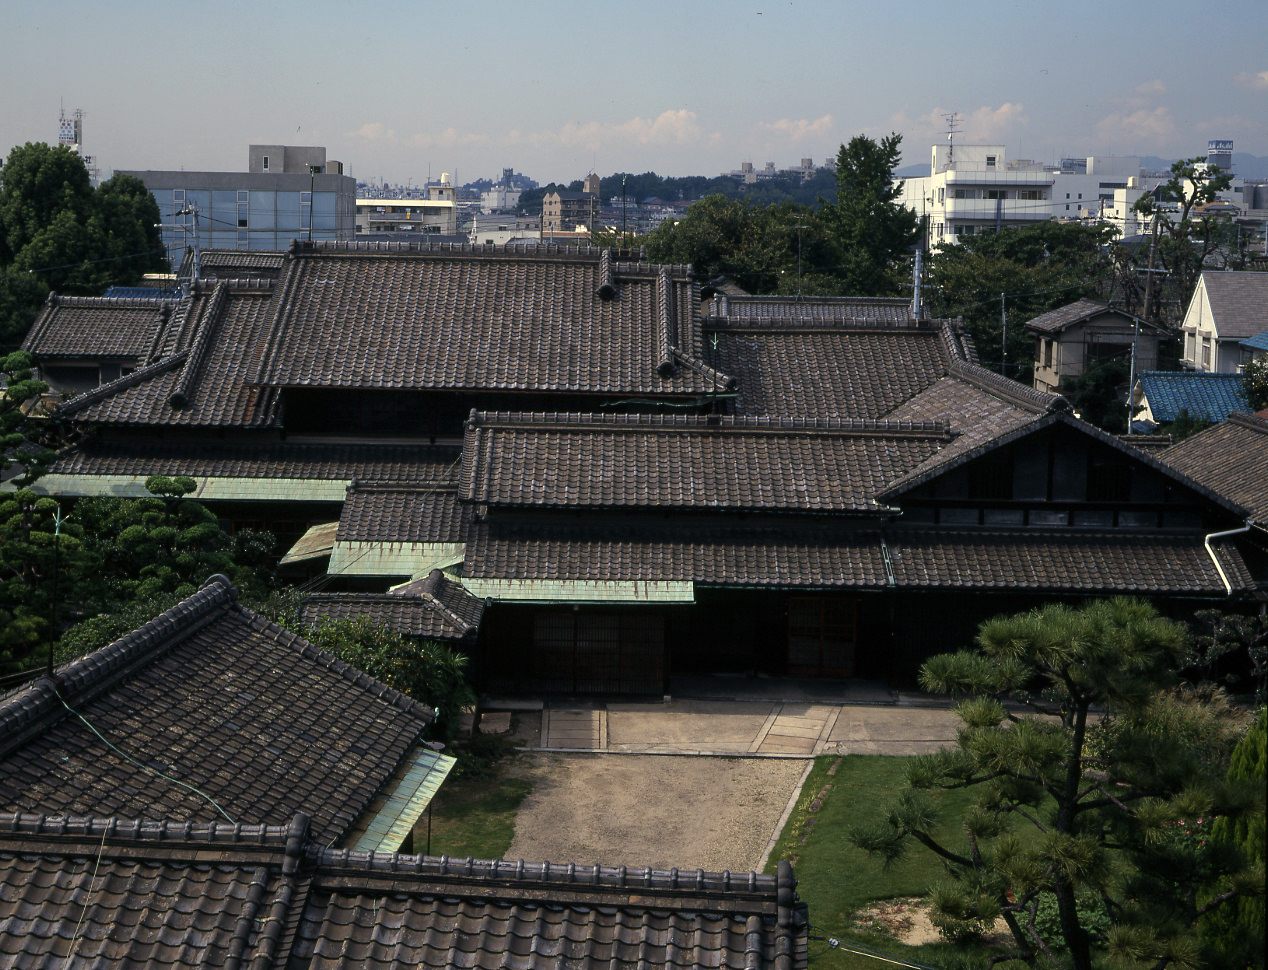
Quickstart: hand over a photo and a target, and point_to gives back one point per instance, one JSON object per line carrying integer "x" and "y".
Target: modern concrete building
{"x": 288, "y": 192}
{"x": 570, "y": 211}
{"x": 435, "y": 212}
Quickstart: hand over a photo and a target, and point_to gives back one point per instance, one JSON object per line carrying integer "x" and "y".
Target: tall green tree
{"x": 58, "y": 232}
{"x": 1108, "y": 768}
{"x": 873, "y": 232}
{"x": 783, "y": 248}
{"x": 1236, "y": 933}
{"x": 1033, "y": 268}
{"x": 1187, "y": 235}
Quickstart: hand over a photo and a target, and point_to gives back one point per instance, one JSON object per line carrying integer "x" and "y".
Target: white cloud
{"x": 449, "y": 138}
{"x": 676, "y": 126}
{"x": 1150, "y": 126}
{"x": 1154, "y": 87}
{"x": 373, "y": 131}
{"x": 799, "y": 129}
{"x": 987, "y": 123}
{"x": 1257, "y": 80}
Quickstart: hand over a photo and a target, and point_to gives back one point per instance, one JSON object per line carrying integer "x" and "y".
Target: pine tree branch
{"x": 928, "y": 842}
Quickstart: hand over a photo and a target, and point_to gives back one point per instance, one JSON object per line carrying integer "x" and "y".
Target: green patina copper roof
{"x": 393, "y": 815}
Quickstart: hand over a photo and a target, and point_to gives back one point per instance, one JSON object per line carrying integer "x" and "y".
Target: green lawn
{"x": 475, "y": 816}
{"x": 835, "y": 879}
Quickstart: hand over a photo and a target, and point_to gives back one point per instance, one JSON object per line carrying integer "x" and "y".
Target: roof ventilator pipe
{"x": 1219, "y": 568}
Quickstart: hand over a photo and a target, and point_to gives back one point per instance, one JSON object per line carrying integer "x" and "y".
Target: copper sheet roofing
{"x": 394, "y": 512}
{"x": 167, "y": 895}
{"x": 1070, "y": 561}
{"x": 331, "y": 461}
{"x": 679, "y": 461}
{"x": 1231, "y": 458}
{"x": 689, "y": 549}
{"x": 206, "y": 712}
{"x": 370, "y": 316}
{"x": 209, "y": 351}
{"x": 97, "y": 327}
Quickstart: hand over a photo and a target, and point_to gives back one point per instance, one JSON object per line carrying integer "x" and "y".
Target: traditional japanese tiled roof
{"x": 210, "y": 351}
{"x": 395, "y": 316}
{"x": 243, "y": 459}
{"x": 434, "y": 607}
{"x": 810, "y": 309}
{"x": 584, "y": 461}
{"x": 783, "y": 555}
{"x": 1054, "y": 321}
{"x": 206, "y": 712}
{"x": 1229, "y": 458}
{"x": 165, "y": 895}
{"x": 234, "y": 264}
{"x": 1238, "y": 302}
{"x": 825, "y": 369}
{"x": 1070, "y": 561}
{"x": 395, "y": 512}
{"x": 1206, "y": 397}
{"x": 96, "y": 327}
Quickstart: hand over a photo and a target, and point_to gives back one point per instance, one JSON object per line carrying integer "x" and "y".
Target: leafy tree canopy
{"x": 58, "y": 232}
{"x": 871, "y": 229}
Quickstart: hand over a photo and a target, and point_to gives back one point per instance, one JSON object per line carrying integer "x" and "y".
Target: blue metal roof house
{"x": 1163, "y": 395}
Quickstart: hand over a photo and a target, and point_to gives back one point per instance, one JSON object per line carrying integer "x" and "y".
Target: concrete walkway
{"x": 752, "y": 728}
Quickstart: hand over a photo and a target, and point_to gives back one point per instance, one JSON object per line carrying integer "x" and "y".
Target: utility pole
{"x": 1149, "y": 277}
{"x": 312, "y": 197}
{"x": 916, "y": 308}
{"x": 58, "y": 519}
{"x": 624, "y": 210}
{"x": 1003, "y": 340}
{"x": 799, "y": 227}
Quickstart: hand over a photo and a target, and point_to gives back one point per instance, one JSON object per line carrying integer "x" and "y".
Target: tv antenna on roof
{"x": 953, "y": 125}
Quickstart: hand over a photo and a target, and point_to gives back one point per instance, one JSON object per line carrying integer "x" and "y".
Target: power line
{"x": 144, "y": 767}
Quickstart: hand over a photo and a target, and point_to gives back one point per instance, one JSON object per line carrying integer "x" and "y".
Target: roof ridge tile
{"x": 108, "y": 390}
{"x": 42, "y": 699}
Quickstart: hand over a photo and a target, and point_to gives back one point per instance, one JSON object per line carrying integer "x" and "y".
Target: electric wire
{"x": 74, "y": 940}
{"x": 144, "y": 767}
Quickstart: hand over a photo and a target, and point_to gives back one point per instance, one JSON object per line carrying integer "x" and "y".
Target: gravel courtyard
{"x": 712, "y": 813}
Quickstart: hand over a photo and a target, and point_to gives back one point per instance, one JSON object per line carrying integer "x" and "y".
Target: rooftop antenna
{"x": 953, "y": 125}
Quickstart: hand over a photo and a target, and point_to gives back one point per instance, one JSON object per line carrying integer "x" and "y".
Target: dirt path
{"x": 712, "y": 813}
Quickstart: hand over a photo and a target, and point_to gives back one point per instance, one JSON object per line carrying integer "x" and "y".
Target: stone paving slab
{"x": 723, "y": 727}
{"x": 891, "y": 730}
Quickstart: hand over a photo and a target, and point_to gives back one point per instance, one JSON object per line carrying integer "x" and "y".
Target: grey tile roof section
{"x": 1239, "y": 303}
{"x": 458, "y": 318}
{"x": 782, "y": 555}
{"x": 167, "y": 895}
{"x": 206, "y": 712}
{"x": 214, "y": 348}
{"x": 1070, "y": 561}
{"x": 1054, "y": 321}
{"x": 396, "y": 512}
{"x": 435, "y": 607}
{"x": 328, "y": 461}
{"x": 825, "y": 369}
{"x": 584, "y": 461}
{"x": 1230, "y": 458}
{"x": 234, "y": 264}
{"x": 101, "y": 327}
{"x": 807, "y": 309}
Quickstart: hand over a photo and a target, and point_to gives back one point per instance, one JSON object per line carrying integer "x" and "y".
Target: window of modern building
{"x": 990, "y": 161}
{"x": 178, "y": 195}
{"x": 266, "y": 163}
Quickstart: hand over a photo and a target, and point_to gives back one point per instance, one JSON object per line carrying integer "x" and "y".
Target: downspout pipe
{"x": 1219, "y": 568}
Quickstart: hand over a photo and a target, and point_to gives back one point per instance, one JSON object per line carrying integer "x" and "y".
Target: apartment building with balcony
{"x": 972, "y": 189}
{"x": 435, "y": 212}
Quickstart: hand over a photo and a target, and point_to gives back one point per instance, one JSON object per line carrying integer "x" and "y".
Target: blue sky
{"x": 398, "y": 89}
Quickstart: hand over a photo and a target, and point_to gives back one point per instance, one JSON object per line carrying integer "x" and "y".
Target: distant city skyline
{"x": 556, "y": 88}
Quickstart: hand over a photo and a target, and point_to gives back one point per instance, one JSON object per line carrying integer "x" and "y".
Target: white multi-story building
{"x": 972, "y": 189}
{"x": 436, "y": 213}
